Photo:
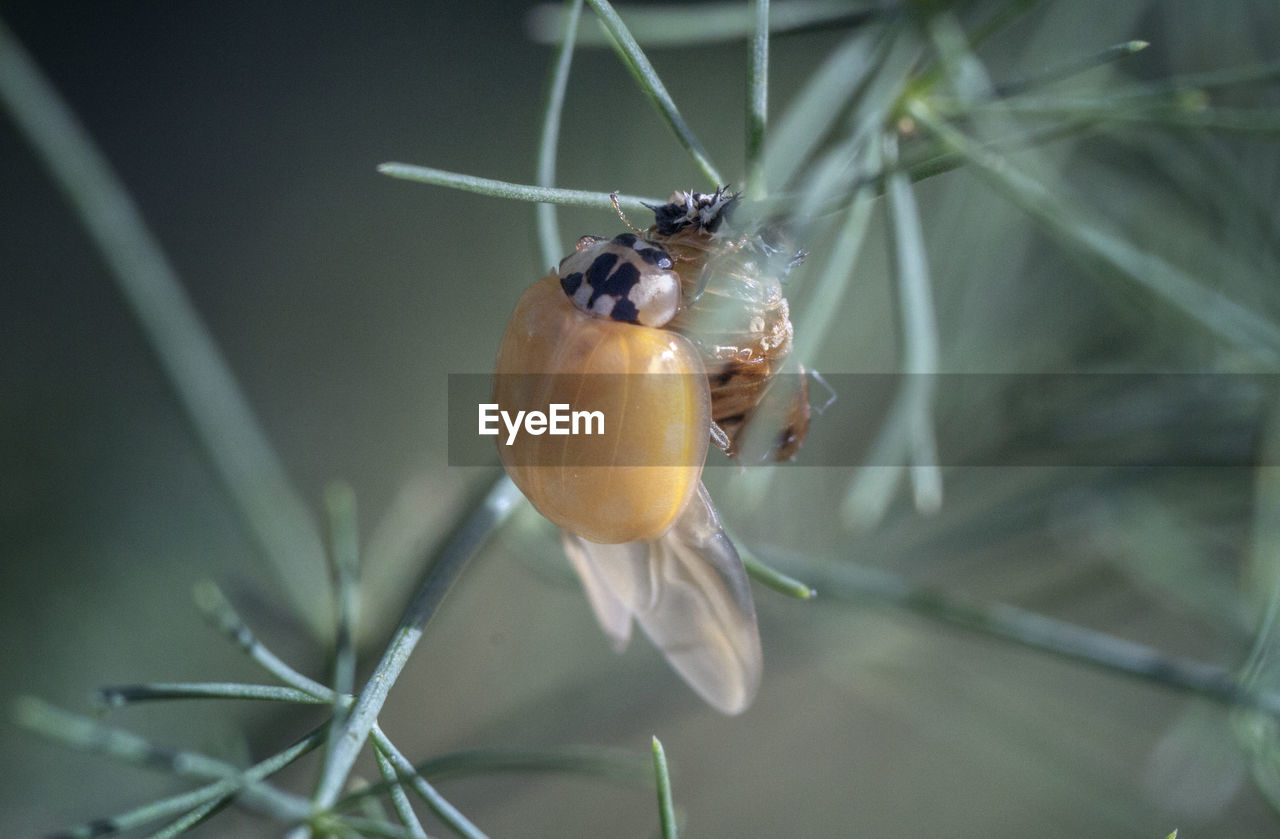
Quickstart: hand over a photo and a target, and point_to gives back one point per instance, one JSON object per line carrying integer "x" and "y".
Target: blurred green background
{"x": 248, "y": 134}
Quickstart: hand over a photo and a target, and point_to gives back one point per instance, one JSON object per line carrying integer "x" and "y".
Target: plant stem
{"x": 198, "y": 803}
{"x": 114, "y": 697}
{"x": 919, "y": 330}
{"x": 344, "y": 557}
{"x": 666, "y": 806}
{"x": 128, "y": 747}
{"x": 446, "y": 812}
{"x": 224, "y": 424}
{"x": 514, "y": 192}
{"x": 1234, "y": 323}
{"x": 548, "y": 226}
{"x": 219, "y": 611}
{"x": 757, "y": 101}
{"x": 634, "y": 58}
{"x": 847, "y": 581}
{"x": 496, "y": 506}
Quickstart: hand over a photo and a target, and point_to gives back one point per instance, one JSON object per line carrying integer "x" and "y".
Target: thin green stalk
{"x": 370, "y": 808}
{"x": 225, "y": 426}
{"x": 1003, "y": 15}
{"x": 932, "y": 160}
{"x": 873, "y": 485}
{"x": 872, "y": 104}
{"x": 399, "y": 800}
{"x": 202, "y": 803}
{"x": 770, "y": 577}
{"x": 757, "y": 101}
{"x": 320, "y": 693}
{"x": 966, "y": 42}
{"x": 850, "y": 581}
{"x": 549, "y": 144}
{"x": 114, "y": 697}
{"x": 344, "y": 548}
{"x": 358, "y": 827}
{"x": 687, "y": 24}
{"x": 810, "y": 115}
{"x": 493, "y": 510}
{"x": 197, "y": 816}
{"x": 445, "y": 811}
{"x": 1068, "y": 69}
{"x": 919, "y": 331}
{"x": 634, "y": 59}
{"x": 1234, "y": 323}
{"x": 594, "y": 761}
{"x": 186, "y": 803}
{"x": 1265, "y": 72}
{"x": 514, "y": 192}
{"x": 340, "y": 503}
{"x": 1189, "y": 110}
{"x": 497, "y": 505}
{"x": 91, "y": 735}
{"x": 823, "y": 308}
{"x": 219, "y": 611}
{"x": 1260, "y": 738}
{"x": 666, "y": 806}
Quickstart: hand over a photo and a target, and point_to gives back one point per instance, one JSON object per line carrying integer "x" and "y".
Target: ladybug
{"x": 674, "y": 337}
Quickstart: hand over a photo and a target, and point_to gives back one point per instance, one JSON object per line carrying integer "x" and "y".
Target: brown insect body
{"x": 734, "y": 312}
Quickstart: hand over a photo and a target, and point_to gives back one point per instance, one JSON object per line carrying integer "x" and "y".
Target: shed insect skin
{"x": 680, "y": 297}
{"x": 737, "y": 316}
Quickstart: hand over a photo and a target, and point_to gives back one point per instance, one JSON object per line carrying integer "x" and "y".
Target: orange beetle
{"x": 615, "y": 328}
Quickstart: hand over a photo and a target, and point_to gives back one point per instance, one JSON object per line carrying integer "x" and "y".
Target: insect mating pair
{"x": 676, "y": 333}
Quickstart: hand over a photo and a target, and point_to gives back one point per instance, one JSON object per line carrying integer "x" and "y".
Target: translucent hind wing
{"x": 690, "y": 594}
{"x": 602, "y": 570}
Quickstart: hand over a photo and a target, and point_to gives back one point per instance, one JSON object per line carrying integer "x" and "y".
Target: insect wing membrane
{"x": 690, "y": 594}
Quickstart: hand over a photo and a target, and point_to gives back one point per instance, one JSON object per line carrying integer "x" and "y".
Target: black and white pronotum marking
{"x": 624, "y": 278}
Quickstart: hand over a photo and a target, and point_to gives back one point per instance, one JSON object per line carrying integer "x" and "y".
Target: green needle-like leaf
{"x": 514, "y": 192}
{"x": 344, "y": 547}
{"x": 1070, "y": 69}
{"x": 666, "y": 807}
{"x": 850, "y": 581}
{"x": 636, "y": 61}
{"x": 443, "y": 572}
{"x": 757, "y": 101}
{"x": 920, "y": 335}
{"x": 549, "y": 144}
{"x": 196, "y": 817}
{"x": 196, "y": 805}
{"x": 399, "y": 800}
{"x": 91, "y": 735}
{"x": 114, "y": 697}
{"x": 591, "y": 761}
{"x": 707, "y": 23}
{"x": 770, "y": 577}
{"x": 1231, "y": 321}
{"x": 445, "y": 811}
{"x": 220, "y": 415}
{"x": 219, "y": 611}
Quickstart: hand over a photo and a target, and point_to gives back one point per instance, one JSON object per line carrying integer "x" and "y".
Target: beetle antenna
{"x": 613, "y": 198}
